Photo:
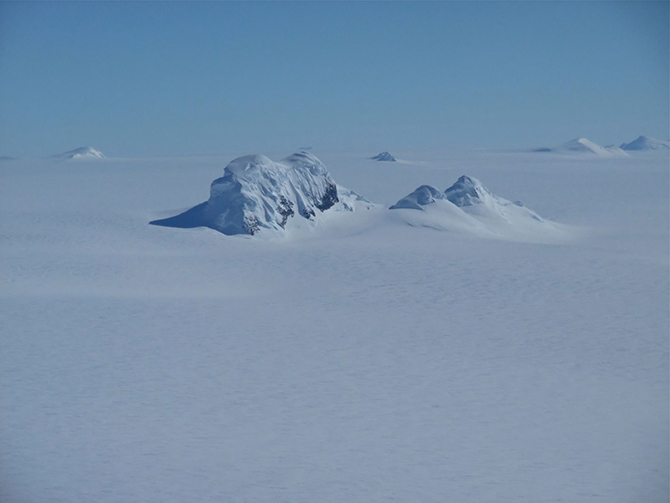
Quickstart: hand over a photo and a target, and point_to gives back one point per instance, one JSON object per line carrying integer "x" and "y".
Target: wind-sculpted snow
{"x": 468, "y": 206}
{"x": 256, "y": 194}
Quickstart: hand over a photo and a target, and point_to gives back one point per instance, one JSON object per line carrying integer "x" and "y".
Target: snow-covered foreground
{"x": 355, "y": 361}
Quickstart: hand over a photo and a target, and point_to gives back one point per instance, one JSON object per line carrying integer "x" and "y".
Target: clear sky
{"x": 163, "y": 78}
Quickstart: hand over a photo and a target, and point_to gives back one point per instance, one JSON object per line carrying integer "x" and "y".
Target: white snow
{"x": 645, "y": 143}
{"x": 363, "y": 360}
{"x": 81, "y": 153}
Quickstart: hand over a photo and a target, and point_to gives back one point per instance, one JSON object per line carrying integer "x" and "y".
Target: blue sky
{"x": 164, "y": 78}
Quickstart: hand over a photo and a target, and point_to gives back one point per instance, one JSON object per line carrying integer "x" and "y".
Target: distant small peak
{"x": 81, "y": 153}
{"x": 646, "y": 143}
{"x": 384, "y": 156}
{"x": 303, "y": 156}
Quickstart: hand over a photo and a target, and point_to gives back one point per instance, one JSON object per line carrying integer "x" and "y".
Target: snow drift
{"x": 256, "y": 194}
{"x": 81, "y": 153}
{"x": 645, "y": 143}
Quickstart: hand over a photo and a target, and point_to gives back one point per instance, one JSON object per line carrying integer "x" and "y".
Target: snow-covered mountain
{"x": 81, "y": 153}
{"x": 384, "y": 156}
{"x": 256, "y": 194}
{"x": 473, "y": 198}
{"x": 646, "y": 143}
{"x": 581, "y": 146}
{"x": 469, "y": 206}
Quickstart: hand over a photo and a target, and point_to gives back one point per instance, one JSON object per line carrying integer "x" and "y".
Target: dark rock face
{"x": 251, "y": 225}
{"x": 329, "y": 198}
{"x": 285, "y": 209}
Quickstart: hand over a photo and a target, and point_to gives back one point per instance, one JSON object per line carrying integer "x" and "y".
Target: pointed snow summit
{"x": 582, "y": 146}
{"x": 646, "y": 143}
{"x": 257, "y": 194}
{"x": 384, "y": 156}
{"x": 81, "y": 153}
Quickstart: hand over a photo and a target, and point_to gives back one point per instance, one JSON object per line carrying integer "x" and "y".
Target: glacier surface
{"x": 358, "y": 358}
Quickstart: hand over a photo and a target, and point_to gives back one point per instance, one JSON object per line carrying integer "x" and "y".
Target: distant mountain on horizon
{"x": 83, "y": 153}
{"x": 384, "y": 156}
{"x": 645, "y": 143}
{"x": 581, "y": 146}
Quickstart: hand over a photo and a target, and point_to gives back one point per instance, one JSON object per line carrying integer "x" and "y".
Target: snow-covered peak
{"x": 384, "y": 156}
{"x": 257, "y": 194}
{"x": 422, "y": 196}
{"x": 646, "y": 143}
{"x": 468, "y": 206}
{"x": 81, "y": 153}
{"x": 467, "y": 191}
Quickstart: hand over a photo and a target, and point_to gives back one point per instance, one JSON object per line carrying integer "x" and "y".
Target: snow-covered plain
{"x": 361, "y": 360}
